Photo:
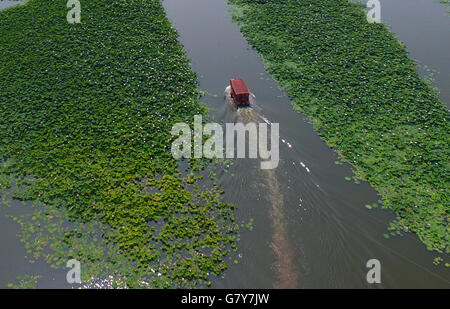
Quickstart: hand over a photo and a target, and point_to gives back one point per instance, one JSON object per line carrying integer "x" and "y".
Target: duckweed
{"x": 87, "y": 111}
{"x": 356, "y": 83}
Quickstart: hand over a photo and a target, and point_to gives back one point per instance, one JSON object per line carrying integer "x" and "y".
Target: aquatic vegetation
{"x": 365, "y": 98}
{"x": 27, "y": 282}
{"x": 86, "y": 113}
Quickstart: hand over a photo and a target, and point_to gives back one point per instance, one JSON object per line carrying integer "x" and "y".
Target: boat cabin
{"x": 239, "y": 92}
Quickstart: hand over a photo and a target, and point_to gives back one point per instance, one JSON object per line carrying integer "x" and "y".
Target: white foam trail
{"x": 305, "y": 167}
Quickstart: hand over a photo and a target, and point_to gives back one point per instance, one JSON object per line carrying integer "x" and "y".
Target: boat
{"x": 239, "y": 92}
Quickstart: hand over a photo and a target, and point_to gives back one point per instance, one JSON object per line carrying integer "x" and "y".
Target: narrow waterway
{"x": 311, "y": 228}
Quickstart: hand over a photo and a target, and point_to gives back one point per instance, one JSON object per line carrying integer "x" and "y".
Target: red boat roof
{"x": 239, "y": 86}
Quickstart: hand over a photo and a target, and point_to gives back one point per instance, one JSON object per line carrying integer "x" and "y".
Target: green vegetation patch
{"x": 356, "y": 83}
{"x": 86, "y": 112}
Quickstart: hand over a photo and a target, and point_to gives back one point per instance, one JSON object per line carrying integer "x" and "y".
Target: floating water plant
{"x": 356, "y": 83}
{"x": 86, "y": 113}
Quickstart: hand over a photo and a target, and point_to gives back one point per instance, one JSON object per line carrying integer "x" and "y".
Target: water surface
{"x": 8, "y": 3}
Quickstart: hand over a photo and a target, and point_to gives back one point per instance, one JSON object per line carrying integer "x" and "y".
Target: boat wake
{"x": 287, "y": 273}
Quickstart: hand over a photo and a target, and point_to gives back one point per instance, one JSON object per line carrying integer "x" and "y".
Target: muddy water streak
{"x": 286, "y": 271}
